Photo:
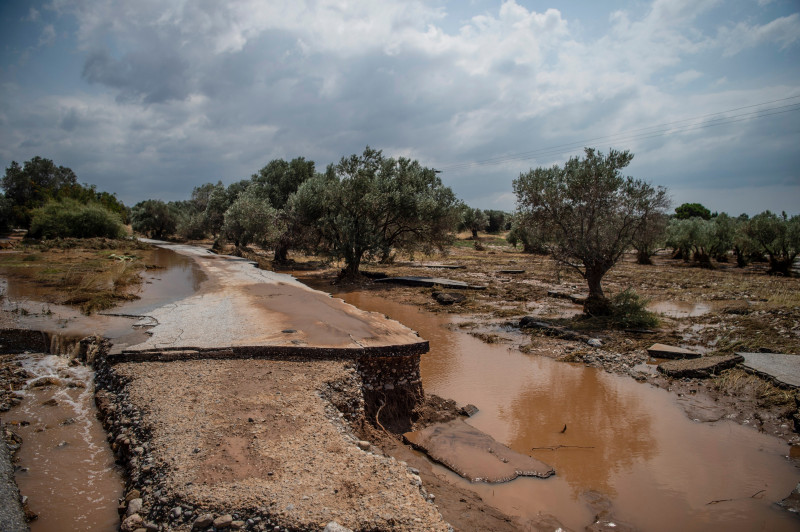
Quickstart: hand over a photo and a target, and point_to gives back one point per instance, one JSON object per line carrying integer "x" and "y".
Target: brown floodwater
{"x": 65, "y": 466}
{"x": 627, "y": 444}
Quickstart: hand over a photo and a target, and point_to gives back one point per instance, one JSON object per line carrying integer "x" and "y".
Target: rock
{"x": 204, "y": 521}
{"x": 236, "y": 525}
{"x": 448, "y": 298}
{"x": 670, "y": 351}
{"x": 364, "y": 445}
{"x": 468, "y": 410}
{"x": 699, "y": 368}
{"x": 223, "y": 521}
{"x": 594, "y": 342}
{"x": 134, "y": 506}
{"x": 151, "y": 527}
{"x": 131, "y": 523}
{"x": 176, "y": 512}
{"x": 333, "y": 526}
{"x": 792, "y": 502}
{"x": 50, "y": 402}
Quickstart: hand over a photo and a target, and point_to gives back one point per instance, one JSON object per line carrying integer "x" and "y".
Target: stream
{"x": 629, "y": 447}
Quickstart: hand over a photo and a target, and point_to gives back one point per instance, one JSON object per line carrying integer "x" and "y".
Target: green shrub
{"x": 629, "y": 310}
{"x": 68, "y": 218}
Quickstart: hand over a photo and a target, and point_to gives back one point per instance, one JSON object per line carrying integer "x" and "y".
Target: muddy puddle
{"x": 65, "y": 466}
{"x": 628, "y": 448}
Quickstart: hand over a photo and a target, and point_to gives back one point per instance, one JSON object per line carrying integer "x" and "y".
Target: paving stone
{"x": 782, "y": 368}
{"x": 699, "y": 368}
{"x": 670, "y": 351}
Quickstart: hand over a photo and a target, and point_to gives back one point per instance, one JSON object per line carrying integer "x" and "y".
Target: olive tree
{"x": 778, "y": 237}
{"x": 251, "y": 220}
{"x": 368, "y": 205}
{"x": 473, "y": 220}
{"x": 153, "y": 218}
{"x": 276, "y": 182}
{"x": 590, "y": 213}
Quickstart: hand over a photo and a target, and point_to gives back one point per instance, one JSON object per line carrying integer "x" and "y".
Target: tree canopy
{"x": 692, "y": 210}
{"x": 589, "y": 212}
{"x": 368, "y": 205}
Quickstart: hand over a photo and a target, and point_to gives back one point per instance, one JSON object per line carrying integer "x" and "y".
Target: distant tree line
{"x": 48, "y": 201}
{"x": 366, "y": 207}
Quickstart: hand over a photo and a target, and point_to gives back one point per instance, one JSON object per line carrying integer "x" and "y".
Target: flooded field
{"x": 628, "y": 448}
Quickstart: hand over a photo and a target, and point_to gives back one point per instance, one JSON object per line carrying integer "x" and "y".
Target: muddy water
{"x": 628, "y": 447}
{"x": 67, "y": 469}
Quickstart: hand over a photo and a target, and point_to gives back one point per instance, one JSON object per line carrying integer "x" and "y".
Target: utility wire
{"x": 659, "y": 130}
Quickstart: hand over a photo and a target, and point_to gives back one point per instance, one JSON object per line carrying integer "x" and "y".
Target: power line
{"x": 659, "y": 130}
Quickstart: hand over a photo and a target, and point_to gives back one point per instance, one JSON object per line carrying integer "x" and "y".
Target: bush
{"x": 629, "y": 310}
{"x": 68, "y": 218}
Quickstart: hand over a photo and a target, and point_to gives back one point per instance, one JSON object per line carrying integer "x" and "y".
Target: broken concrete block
{"x": 699, "y": 368}
{"x": 670, "y": 351}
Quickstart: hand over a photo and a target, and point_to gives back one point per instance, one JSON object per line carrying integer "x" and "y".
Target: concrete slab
{"x": 670, "y": 351}
{"x": 475, "y": 455}
{"x": 781, "y": 368}
{"x": 240, "y": 310}
{"x": 429, "y": 281}
{"x": 699, "y": 368}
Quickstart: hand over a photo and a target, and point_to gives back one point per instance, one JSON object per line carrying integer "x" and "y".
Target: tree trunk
{"x": 780, "y": 265}
{"x": 474, "y": 234}
{"x": 281, "y": 252}
{"x": 643, "y": 257}
{"x": 352, "y": 266}
{"x": 597, "y": 304}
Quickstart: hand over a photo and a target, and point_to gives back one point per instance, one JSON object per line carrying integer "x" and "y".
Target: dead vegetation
{"x": 92, "y": 274}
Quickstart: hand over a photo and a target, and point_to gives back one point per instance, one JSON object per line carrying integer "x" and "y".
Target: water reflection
{"x": 654, "y": 467}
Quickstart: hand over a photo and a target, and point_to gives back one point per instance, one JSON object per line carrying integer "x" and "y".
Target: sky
{"x": 151, "y": 98}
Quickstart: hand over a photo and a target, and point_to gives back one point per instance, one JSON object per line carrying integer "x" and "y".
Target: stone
{"x": 364, "y": 445}
{"x": 134, "y": 506}
{"x": 176, "y": 512}
{"x": 223, "y": 521}
{"x": 792, "y": 502}
{"x": 670, "y": 351}
{"x": 204, "y": 521}
{"x": 236, "y": 525}
{"x": 468, "y": 410}
{"x": 448, "y": 298}
{"x": 333, "y": 526}
{"x": 133, "y": 494}
{"x": 594, "y": 342}
{"x": 699, "y": 368}
{"x": 131, "y": 523}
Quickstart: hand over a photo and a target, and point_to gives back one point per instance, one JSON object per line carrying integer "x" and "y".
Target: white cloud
{"x": 230, "y": 85}
{"x": 784, "y": 31}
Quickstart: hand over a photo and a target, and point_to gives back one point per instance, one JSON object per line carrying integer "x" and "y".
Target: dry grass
{"x": 739, "y": 383}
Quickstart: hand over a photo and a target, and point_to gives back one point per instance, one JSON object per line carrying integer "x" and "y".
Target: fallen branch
{"x": 556, "y": 447}
{"x": 753, "y": 496}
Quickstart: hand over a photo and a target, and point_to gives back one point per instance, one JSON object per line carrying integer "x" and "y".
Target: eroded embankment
{"x": 252, "y": 444}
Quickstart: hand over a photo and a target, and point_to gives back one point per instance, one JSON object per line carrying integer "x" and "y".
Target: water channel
{"x": 628, "y": 446}
{"x": 65, "y": 466}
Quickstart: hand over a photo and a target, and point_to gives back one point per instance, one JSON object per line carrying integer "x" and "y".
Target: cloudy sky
{"x": 150, "y": 98}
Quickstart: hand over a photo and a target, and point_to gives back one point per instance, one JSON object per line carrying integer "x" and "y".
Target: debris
{"x": 699, "y": 368}
{"x": 669, "y": 351}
